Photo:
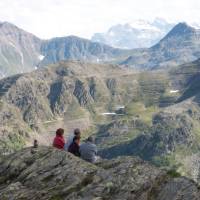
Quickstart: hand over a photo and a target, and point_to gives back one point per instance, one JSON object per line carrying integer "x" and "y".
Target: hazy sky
{"x": 49, "y": 18}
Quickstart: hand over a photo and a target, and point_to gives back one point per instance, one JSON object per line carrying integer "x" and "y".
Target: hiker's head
{"x": 60, "y": 132}
{"x": 76, "y": 139}
{"x": 90, "y": 139}
{"x": 77, "y": 132}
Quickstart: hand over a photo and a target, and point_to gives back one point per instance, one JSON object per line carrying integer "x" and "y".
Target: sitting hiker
{"x": 59, "y": 141}
{"x": 74, "y": 146}
{"x": 35, "y": 144}
{"x": 69, "y": 140}
{"x": 88, "y": 150}
{"x": 34, "y": 147}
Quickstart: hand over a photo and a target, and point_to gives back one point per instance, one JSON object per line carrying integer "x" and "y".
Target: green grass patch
{"x": 75, "y": 111}
{"x": 173, "y": 173}
{"x": 138, "y": 109}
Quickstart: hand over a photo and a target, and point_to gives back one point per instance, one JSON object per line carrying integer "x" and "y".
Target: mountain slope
{"x": 47, "y": 173}
{"x": 189, "y": 76}
{"x": 23, "y": 52}
{"x": 75, "y": 48}
{"x": 171, "y": 137}
{"x": 129, "y": 112}
{"x": 138, "y": 34}
{"x": 179, "y": 46}
{"x": 69, "y": 91}
{"x": 19, "y": 50}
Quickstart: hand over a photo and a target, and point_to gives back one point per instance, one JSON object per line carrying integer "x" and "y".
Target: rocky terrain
{"x": 166, "y": 136}
{"x": 140, "y": 102}
{"x": 47, "y": 173}
{"x": 77, "y": 94}
{"x": 69, "y": 91}
{"x": 129, "y": 112}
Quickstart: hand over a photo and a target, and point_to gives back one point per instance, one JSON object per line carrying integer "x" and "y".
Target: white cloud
{"x": 48, "y": 18}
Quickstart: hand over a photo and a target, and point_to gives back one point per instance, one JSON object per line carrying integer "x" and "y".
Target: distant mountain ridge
{"x": 138, "y": 34}
{"x": 179, "y": 46}
{"x": 75, "y": 48}
{"x": 21, "y": 51}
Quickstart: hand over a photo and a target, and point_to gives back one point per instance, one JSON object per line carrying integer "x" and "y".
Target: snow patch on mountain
{"x": 143, "y": 25}
{"x": 41, "y": 57}
{"x": 195, "y": 25}
{"x": 174, "y": 91}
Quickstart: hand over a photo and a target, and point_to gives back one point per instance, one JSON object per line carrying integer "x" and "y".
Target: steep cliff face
{"x": 47, "y": 173}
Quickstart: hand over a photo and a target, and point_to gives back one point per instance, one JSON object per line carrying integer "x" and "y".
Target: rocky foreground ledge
{"x": 47, "y": 173}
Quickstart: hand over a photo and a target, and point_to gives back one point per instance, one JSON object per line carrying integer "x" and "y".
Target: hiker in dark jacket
{"x": 74, "y": 146}
{"x": 59, "y": 140}
{"x": 88, "y": 150}
{"x": 70, "y": 138}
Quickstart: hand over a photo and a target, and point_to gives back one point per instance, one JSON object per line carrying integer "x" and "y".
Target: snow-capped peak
{"x": 136, "y": 34}
{"x": 195, "y": 25}
{"x": 142, "y": 25}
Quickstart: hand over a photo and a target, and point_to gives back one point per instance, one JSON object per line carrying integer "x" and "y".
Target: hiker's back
{"x": 70, "y": 137}
{"x": 59, "y": 141}
{"x": 74, "y": 146}
{"x": 88, "y": 151}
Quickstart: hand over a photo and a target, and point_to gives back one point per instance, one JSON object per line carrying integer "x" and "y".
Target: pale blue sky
{"x": 49, "y": 18}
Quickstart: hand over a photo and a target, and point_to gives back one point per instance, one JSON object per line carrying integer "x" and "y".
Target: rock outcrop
{"x": 166, "y": 134}
{"x": 47, "y": 173}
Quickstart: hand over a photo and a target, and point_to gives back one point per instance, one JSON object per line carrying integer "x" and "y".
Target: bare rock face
{"x": 47, "y": 173}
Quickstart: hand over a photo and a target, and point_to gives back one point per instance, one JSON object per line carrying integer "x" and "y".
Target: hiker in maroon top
{"x": 59, "y": 140}
{"x": 74, "y": 146}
